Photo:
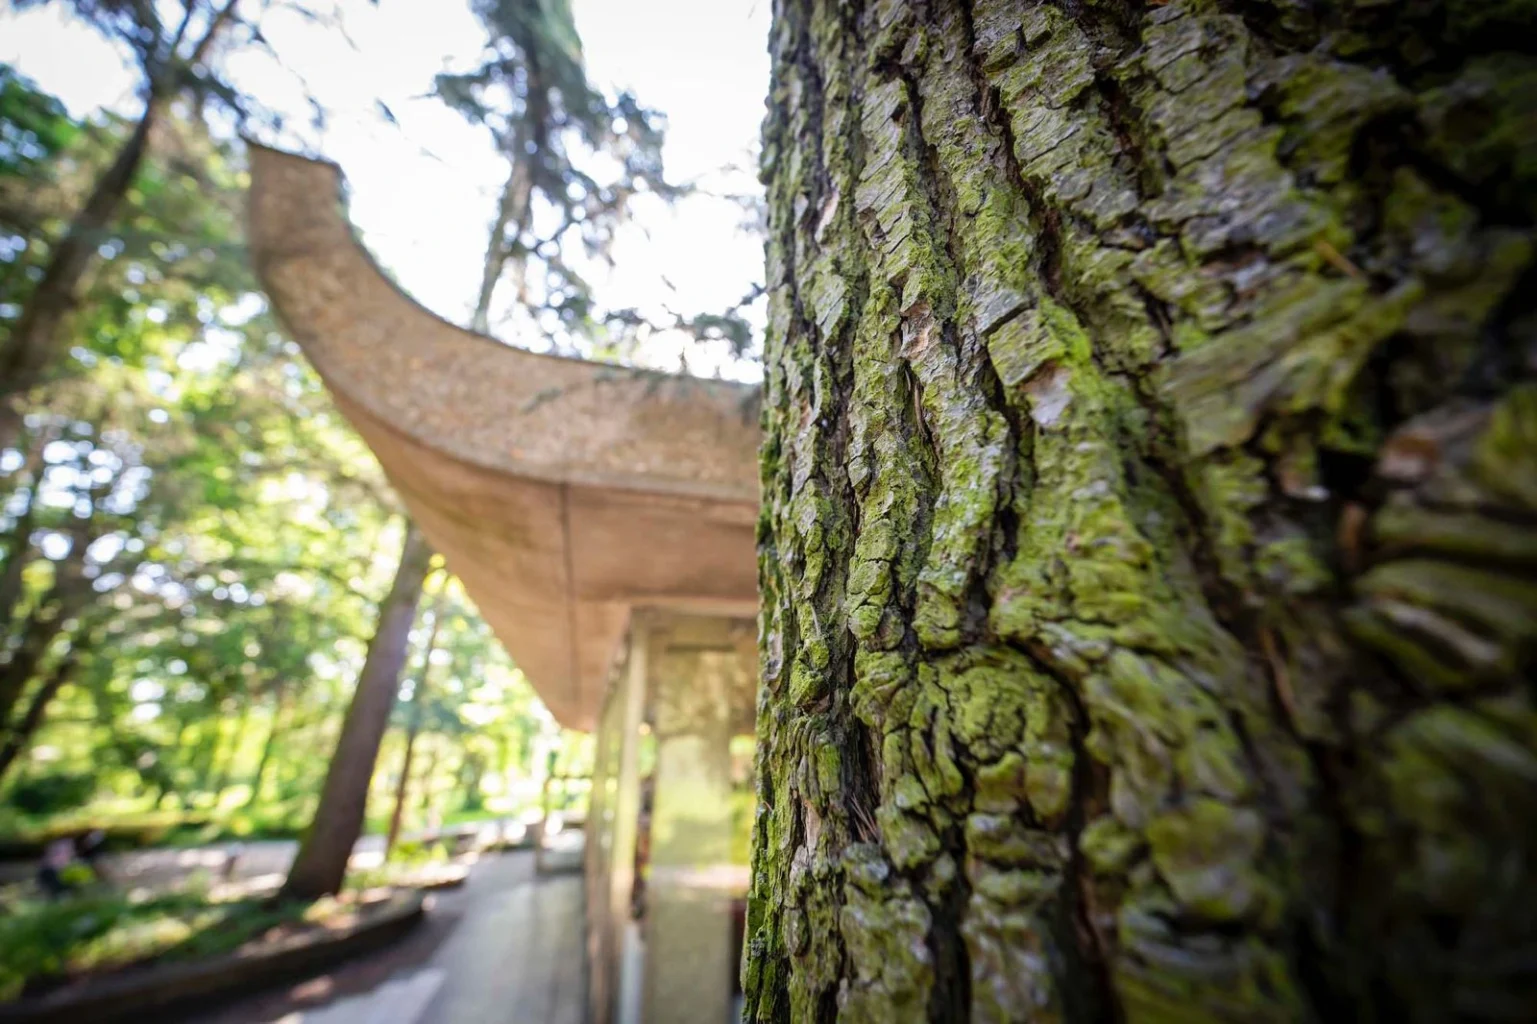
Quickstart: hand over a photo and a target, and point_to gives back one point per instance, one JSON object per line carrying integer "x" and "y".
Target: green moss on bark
{"x": 1150, "y": 479}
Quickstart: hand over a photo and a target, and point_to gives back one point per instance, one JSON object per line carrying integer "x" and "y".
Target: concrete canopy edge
{"x": 562, "y": 492}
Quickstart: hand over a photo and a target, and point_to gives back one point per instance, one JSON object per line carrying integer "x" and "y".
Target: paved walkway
{"x": 518, "y": 954}
{"x": 258, "y": 862}
{"x": 504, "y": 949}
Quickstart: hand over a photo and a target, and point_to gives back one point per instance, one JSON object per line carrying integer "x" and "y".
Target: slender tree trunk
{"x": 402, "y": 788}
{"x": 18, "y": 556}
{"x": 20, "y": 733}
{"x": 46, "y": 620}
{"x": 321, "y": 863}
{"x": 472, "y": 773}
{"x": 427, "y": 775}
{"x": 515, "y": 207}
{"x": 34, "y": 343}
{"x": 279, "y": 703}
{"x": 228, "y": 752}
{"x": 206, "y": 753}
{"x": 418, "y": 703}
{"x": 168, "y": 785}
{"x": 511, "y": 215}
{"x": 38, "y": 633}
{"x": 1149, "y": 535}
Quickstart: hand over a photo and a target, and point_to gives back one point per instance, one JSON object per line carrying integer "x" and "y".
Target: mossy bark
{"x": 1147, "y": 551}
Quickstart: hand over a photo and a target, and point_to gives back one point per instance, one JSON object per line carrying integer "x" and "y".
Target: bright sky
{"x": 422, "y": 192}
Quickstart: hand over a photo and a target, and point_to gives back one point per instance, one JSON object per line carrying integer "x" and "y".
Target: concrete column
{"x": 696, "y": 680}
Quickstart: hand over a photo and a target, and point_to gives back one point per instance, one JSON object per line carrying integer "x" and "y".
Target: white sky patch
{"x": 55, "y": 546}
{"x": 104, "y": 549}
{"x": 422, "y": 191}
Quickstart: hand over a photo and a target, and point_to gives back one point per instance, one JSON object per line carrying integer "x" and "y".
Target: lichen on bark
{"x": 1149, "y": 492}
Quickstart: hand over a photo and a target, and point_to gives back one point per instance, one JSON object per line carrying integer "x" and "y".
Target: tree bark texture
{"x": 321, "y": 863}
{"x": 1149, "y": 579}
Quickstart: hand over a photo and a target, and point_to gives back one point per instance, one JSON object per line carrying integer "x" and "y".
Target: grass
{"x": 43, "y": 943}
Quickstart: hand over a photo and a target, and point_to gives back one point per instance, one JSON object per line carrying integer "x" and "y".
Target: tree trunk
{"x": 19, "y": 555}
{"x": 37, "y": 633}
{"x": 427, "y": 775}
{"x": 472, "y": 774}
{"x": 168, "y": 785}
{"x": 206, "y": 751}
{"x": 403, "y": 787}
{"x": 42, "y": 628}
{"x": 321, "y": 863}
{"x": 34, "y": 342}
{"x": 514, "y": 208}
{"x": 512, "y": 212}
{"x": 279, "y": 695}
{"x": 229, "y": 750}
{"x": 20, "y": 733}
{"x": 418, "y": 702}
{"x": 1148, "y": 564}
{"x": 53, "y": 611}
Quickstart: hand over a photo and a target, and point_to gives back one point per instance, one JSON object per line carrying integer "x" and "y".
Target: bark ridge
{"x": 1147, "y": 548}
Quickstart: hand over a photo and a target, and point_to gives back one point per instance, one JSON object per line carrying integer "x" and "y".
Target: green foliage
{"x": 412, "y": 853}
{"x": 34, "y": 128}
{"x": 190, "y": 533}
{"x": 51, "y": 794}
{"x": 45, "y": 942}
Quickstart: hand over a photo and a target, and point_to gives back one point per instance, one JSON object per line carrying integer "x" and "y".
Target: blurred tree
{"x": 549, "y": 123}
{"x": 321, "y": 863}
{"x": 418, "y": 703}
{"x": 172, "y": 58}
{"x": 576, "y": 161}
{"x": 184, "y": 521}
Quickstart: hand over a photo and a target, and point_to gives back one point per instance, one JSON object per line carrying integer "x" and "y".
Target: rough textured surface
{"x": 561, "y": 492}
{"x": 1147, "y": 548}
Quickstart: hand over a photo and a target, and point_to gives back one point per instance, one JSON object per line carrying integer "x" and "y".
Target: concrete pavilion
{"x": 602, "y": 518}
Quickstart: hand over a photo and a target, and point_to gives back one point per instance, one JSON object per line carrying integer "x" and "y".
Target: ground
{"x": 508, "y": 945}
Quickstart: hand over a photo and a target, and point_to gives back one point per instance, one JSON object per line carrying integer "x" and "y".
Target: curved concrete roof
{"x": 562, "y": 492}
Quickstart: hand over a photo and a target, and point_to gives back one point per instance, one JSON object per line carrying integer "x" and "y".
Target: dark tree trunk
{"x": 18, "y": 556}
{"x": 1148, "y": 562}
{"x": 42, "y": 627}
{"x": 515, "y": 208}
{"x": 205, "y": 754}
{"x": 472, "y": 772}
{"x": 20, "y": 733}
{"x": 321, "y": 863}
{"x": 512, "y": 213}
{"x": 34, "y": 342}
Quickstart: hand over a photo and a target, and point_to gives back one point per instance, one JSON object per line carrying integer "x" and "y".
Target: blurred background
{"x": 195, "y": 548}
